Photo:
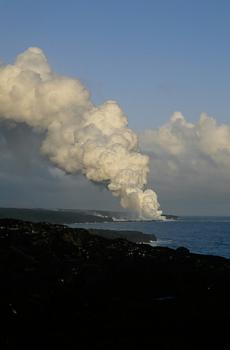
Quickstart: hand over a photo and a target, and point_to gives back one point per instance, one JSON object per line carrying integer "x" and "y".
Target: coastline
{"x": 70, "y": 216}
{"x": 60, "y": 284}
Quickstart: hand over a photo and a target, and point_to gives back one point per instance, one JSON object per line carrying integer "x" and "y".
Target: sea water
{"x": 205, "y": 235}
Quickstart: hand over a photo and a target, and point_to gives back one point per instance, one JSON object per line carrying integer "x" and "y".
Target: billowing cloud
{"x": 78, "y": 136}
{"x": 191, "y": 163}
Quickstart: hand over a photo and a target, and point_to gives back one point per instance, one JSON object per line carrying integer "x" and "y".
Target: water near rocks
{"x": 205, "y": 235}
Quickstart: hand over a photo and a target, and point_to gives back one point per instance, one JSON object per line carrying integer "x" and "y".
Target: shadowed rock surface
{"x": 63, "y": 287}
{"x": 131, "y": 236}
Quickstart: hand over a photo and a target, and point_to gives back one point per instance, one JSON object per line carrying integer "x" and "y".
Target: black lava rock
{"x": 63, "y": 287}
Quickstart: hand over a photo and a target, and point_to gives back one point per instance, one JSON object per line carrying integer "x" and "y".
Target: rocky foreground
{"x": 63, "y": 287}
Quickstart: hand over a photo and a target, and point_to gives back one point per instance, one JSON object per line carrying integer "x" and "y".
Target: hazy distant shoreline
{"x": 68, "y": 216}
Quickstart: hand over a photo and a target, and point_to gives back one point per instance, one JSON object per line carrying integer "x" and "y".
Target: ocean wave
{"x": 160, "y": 242}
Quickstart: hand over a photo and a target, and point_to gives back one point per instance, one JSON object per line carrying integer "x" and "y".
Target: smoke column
{"x": 79, "y": 136}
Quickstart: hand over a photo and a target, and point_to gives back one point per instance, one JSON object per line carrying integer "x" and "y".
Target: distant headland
{"x": 68, "y": 216}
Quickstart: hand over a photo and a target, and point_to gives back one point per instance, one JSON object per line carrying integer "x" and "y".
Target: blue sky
{"x": 153, "y": 57}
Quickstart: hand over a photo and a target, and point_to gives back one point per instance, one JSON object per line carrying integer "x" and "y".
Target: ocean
{"x": 205, "y": 235}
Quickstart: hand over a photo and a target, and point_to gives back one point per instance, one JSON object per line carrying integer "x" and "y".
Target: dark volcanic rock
{"x": 52, "y": 216}
{"x": 131, "y": 236}
{"x": 63, "y": 287}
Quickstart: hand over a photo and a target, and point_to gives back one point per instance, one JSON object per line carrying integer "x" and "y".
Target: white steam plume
{"x": 80, "y": 137}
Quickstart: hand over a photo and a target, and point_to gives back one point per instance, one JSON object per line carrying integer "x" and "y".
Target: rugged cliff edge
{"x": 66, "y": 287}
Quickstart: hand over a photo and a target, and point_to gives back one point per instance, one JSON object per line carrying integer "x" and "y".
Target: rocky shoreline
{"x": 131, "y": 236}
{"x": 69, "y": 288}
